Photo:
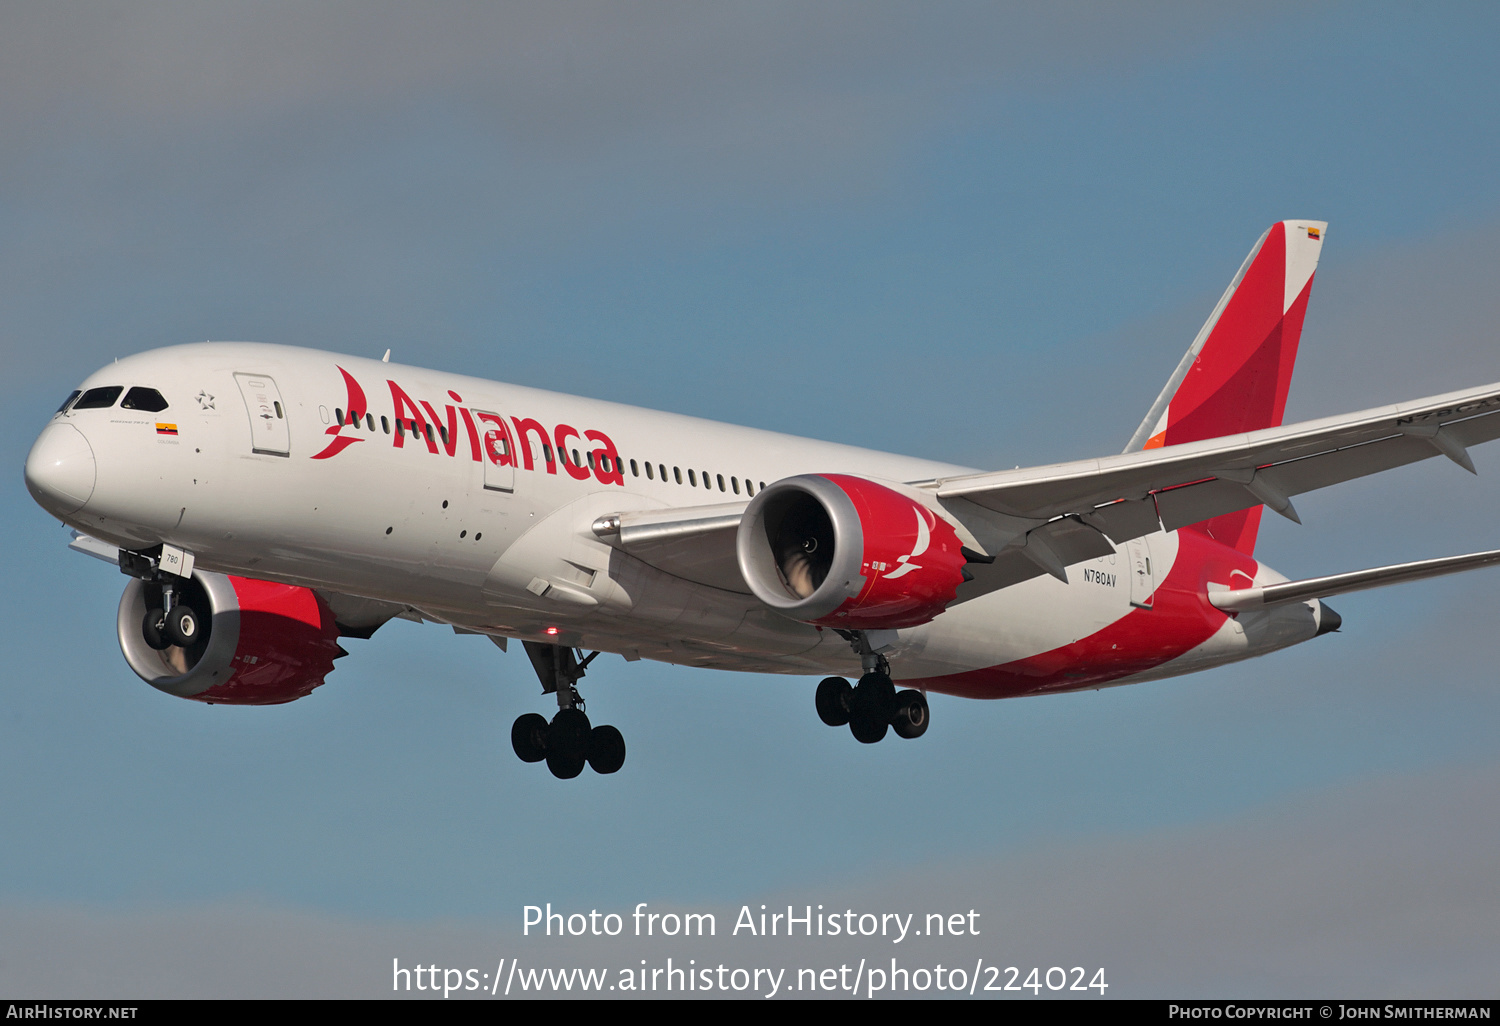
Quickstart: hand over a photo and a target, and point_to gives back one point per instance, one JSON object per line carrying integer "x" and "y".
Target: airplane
{"x": 268, "y": 502}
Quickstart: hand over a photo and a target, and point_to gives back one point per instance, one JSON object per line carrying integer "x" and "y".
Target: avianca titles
{"x": 268, "y": 502}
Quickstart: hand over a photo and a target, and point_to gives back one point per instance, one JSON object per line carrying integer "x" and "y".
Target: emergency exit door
{"x": 1142, "y": 577}
{"x": 498, "y": 453}
{"x": 270, "y": 433}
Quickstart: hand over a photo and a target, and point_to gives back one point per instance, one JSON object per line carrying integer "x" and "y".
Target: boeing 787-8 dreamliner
{"x": 268, "y": 501}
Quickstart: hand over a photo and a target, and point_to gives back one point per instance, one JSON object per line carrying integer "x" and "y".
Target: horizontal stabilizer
{"x": 1242, "y": 599}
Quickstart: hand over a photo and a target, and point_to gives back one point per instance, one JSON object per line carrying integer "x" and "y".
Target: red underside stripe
{"x": 1141, "y": 640}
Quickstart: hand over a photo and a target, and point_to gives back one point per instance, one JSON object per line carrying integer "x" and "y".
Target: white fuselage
{"x": 455, "y": 538}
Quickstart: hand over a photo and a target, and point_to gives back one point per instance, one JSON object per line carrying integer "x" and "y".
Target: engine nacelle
{"x": 259, "y": 643}
{"x": 841, "y": 551}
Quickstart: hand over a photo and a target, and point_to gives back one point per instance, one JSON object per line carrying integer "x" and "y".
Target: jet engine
{"x": 841, "y": 551}
{"x": 258, "y": 643}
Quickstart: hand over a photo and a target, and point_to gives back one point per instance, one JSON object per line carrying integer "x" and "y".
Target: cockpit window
{"x": 141, "y": 398}
{"x": 71, "y": 396}
{"x": 99, "y": 398}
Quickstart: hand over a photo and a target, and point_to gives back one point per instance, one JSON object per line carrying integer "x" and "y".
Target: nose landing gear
{"x": 173, "y": 624}
{"x": 568, "y": 742}
{"x": 169, "y": 619}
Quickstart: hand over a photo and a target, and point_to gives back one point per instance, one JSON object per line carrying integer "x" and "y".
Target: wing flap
{"x": 1195, "y": 503}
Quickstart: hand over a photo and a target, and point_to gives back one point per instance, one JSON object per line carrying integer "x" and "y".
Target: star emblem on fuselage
{"x": 205, "y": 400}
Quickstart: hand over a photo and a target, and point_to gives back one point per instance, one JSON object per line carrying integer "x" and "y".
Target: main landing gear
{"x": 873, "y": 705}
{"x": 569, "y": 740}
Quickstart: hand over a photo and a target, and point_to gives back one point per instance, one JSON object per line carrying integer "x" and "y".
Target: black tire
{"x": 182, "y": 626}
{"x": 872, "y": 706}
{"x": 564, "y": 766}
{"x": 568, "y": 735}
{"x": 879, "y": 696}
{"x": 151, "y": 629}
{"x": 528, "y": 736}
{"x": 606, "y": 749}
{"x": 911, "y": 717}
{"x": 868, "y": 731}
{"x": 832, "y": 701}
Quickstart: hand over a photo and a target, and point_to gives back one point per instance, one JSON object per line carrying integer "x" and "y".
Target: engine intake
{"x": 842, "y": 551}
{"x": 259, "y": 643}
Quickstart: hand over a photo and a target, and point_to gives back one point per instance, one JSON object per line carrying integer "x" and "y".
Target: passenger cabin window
{"x": 649, "y": 476}
{"x": 677, "y": 473}
{"x": 692, "y": 478}
{"x": 99, "y": 398}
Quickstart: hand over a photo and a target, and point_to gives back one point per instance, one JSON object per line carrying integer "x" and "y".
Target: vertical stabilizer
{"x": 1236, "y": 374}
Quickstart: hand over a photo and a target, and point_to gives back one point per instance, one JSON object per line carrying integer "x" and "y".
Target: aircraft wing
{"x": 1054, "y": 516}
{"x": 1124, "y": 496}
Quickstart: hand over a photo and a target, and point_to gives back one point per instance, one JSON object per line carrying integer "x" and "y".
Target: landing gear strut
{"x": 874, "y": 705}
{"x": 569, "y": 741}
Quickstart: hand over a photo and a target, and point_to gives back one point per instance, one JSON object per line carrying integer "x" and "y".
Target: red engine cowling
{"x": 841, "y": 551}
{"x": 259, "y": 643}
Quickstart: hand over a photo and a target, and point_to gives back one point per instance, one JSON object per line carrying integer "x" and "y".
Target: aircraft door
{"x": 270, "y": 433}
{"x": 499, "y": 452}
{"x": 1142, "y": 579}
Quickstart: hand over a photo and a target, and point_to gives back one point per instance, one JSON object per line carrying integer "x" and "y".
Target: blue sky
{"x": 970, "y": 232}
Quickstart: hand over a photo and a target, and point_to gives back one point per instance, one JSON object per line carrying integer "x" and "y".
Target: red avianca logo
{"x": 490, "y": 436}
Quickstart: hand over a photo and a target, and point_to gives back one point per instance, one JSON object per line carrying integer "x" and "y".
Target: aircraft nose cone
{"x": 60, "y": 470}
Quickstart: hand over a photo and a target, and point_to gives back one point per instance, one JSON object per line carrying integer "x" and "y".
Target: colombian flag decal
{"x": 166, "y": 429}
{"x": 1312, "y": 233}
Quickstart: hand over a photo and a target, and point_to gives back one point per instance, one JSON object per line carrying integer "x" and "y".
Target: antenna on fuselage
{"x": 387, "y": 357}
